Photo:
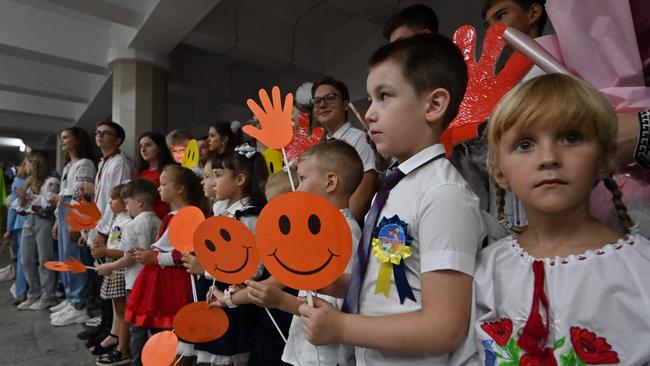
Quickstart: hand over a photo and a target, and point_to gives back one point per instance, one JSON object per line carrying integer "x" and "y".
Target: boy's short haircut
{"x": 142, "y": 188}
{"x": 428, "y": 61}
{"x": 117, "y": 191}
{"x": 341, "y": 158}
{"x": 524, "y": 5}
{"x": 119, "y": 131}
{"x": 417, "y": 17}
{"x": 279, "y": 182}
{"x": 176, "y": 136}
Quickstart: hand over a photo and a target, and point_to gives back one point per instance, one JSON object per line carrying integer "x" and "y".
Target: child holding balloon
{"x": 162, "y": 286}
{"x": 238, "y": 178}
{"x": 333, "y": 171}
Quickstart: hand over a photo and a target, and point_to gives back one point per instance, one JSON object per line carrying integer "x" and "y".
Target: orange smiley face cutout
{"x": 198, "y": 323}
{"x": 57, "y": 266}
{"x": 303, "y": 240}
{"x": 226, "y": 249}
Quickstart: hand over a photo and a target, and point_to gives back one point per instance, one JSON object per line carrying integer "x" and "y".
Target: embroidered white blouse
{"x": 599, "y": 305}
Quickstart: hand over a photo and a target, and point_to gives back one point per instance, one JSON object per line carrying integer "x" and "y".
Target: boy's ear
{"x": 333, "y": 182}
{"x": 534, "y": 13}
{"x": 499, "y": 177}
{"x": 437, "y": 103}
{"x": 140, "y": 201}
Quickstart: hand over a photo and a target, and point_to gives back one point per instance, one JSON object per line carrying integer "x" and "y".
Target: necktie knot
{"x": 392, "y": 179}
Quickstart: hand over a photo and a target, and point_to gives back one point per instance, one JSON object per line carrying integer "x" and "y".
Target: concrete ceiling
{"x": 55, "y": 54}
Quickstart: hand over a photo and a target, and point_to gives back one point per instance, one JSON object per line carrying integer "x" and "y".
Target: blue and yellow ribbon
{"x": 391, "y": 246}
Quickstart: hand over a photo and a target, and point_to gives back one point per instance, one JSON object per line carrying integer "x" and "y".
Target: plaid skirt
{"x": 113, "y": 286}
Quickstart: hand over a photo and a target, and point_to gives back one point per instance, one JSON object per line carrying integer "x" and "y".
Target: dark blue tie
{"x": 351, "y": 303}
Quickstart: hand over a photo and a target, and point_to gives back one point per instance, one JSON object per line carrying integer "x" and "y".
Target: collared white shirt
{"x": 356, "y": 138}
{"x": 298, "y": 351}
{"x": 250, "y": 220}
{"x": 443, "y": 217}
{"x": 140, "y": 232}
{"x": 116, "y": 233}
{"x": 118, "y": 169}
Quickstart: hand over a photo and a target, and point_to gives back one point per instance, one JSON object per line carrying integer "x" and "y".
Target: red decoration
{"x": 301, "y": 141}
{"x": 590, "y": 348}
{"x": 542, "y": 358}
{"x": 484, "y": 88}
{"x": 500, "y": 330}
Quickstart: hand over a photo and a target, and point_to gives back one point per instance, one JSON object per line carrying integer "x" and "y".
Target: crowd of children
{"x": 495, "y": 260}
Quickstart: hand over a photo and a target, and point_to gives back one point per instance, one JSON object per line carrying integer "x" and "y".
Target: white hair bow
{"x": 246, "y": 150}
{"x": 235, "y": 126}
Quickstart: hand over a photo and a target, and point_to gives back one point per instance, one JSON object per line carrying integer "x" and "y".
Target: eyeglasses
{"x": 103, "y": 133}
{"x": 327, "y": 98}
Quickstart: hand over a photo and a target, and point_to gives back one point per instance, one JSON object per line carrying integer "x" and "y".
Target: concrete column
{"x": 139, "y": 97}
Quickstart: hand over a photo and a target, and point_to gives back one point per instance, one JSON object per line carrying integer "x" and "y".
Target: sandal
{"x": 99, "y": 350}
{"x": 114, "y": 358}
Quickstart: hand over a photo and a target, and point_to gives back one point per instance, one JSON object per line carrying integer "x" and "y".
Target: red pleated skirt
{"x": 157, "y": 295}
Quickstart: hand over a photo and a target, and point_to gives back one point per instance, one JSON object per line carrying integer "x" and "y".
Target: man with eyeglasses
{"x": 114, "y": 168}
{"x": 330, "y": 101}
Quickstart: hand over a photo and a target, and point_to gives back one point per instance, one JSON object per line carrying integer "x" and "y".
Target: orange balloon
{"x": 226, "y": 249}
{"x": 182, "y": 226}
{"x": 82, "y": 216}
{"x": 57, "y": 266}
{"x": 160, "y": 349}
{"x": 303, "y": 240}
{"x": 196, "y": 322}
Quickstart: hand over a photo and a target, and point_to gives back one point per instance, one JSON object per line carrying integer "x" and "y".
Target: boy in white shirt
{"x": 409, "y": 297}
{"x": 139, "y": 196}
{"x": 332, "y": 170}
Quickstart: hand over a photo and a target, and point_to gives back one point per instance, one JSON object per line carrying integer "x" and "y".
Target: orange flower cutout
{"x": 275, "y": 120}
{"x": 484, "y": 88}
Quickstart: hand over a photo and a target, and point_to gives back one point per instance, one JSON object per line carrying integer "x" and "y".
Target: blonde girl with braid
{"x": 568, "y": 288}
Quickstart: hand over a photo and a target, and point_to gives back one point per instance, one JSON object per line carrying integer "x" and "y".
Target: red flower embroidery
{"x": 590, "y": 348}
{"x": 543, "y": 358}
{"x": 500, "y": 331}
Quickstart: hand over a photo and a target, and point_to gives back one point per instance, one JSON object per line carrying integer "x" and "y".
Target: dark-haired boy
{"x": 415, "y": 310}
{"x": 411, "y": 20}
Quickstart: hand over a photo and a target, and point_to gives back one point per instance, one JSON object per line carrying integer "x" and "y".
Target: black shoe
{"x": 90, "y": 333}
{"x": 92, "y": 342}
{"x": 113, "y": 358}
{"x": 101, "y": 350}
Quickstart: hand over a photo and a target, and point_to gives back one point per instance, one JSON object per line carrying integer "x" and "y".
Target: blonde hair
{"x": 341, "y": 158}
{"x": 40, "y": 170}
{"x": 279, "y": 183}
{"x": 568, "y": 103}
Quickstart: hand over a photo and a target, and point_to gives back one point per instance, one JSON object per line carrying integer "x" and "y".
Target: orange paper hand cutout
{"x": 301, "y": 141}
{"x": 226, "y": 249}
{"x": 57, "y": 266}
{"x": 182, "y": 226}
{"x": 197, "y": 323}
{"x": 160, "y": 349}
{"x": 484, "y": 88}
{"x": 83, "y": 215}
{"x": 275, "y": 120}
{"x": 303, "y": 240}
